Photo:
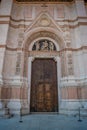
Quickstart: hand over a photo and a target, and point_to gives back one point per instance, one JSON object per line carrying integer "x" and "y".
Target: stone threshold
{"x": 44, "y": 112}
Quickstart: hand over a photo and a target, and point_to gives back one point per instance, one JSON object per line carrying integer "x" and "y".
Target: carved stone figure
{"x": 51, "y": 46}
{"x": 44, "y": 46}
{"x": 37, "y": 45}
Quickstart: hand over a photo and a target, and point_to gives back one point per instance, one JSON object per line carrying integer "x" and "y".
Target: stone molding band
{"x": 63, "y": 50}
{"x": 3, "y": 21}
{"x": 41, "y": 2}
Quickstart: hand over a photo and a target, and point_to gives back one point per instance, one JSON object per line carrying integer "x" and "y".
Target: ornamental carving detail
{"x": 43, "y": 0}
{"x": 18, "y": 64}
{"x": 70, "y": 64}
{"x": 44, "y": 45}
{"x": 20, "y": 38}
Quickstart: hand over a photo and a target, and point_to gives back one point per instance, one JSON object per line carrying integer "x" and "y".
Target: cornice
{"x": 2, "y": 46}
{"x": 25, "y": 26}
{"x": 56, "y": 53}
{"x": 44, "y": 2}
{"x": 73, "y": 23}
{"x": 4, "y": 16}
{"x": 63, "y": 50}
{"x": 19, "y": 20}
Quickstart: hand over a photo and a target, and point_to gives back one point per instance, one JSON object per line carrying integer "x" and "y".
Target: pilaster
{"x": 80, "y": 7}
{"x": 5, "y": 12}
{"x": 6, "y": 6}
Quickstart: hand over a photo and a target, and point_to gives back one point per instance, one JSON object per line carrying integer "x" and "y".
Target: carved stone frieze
{"x": 70, "y": 64}
{"x": 44, "y": 45}
{"x": 67, "y": 36}
{"x": 43, "y": 54}
{"x": 20, "y": 38}
{"x": 43, "y": 0}
{"x": 63, "y": 64}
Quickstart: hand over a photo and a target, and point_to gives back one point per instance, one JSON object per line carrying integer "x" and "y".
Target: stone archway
{"x": 56, "y": 60}
{"x": 30, "y": 55}
{"x": 40, "y": 35}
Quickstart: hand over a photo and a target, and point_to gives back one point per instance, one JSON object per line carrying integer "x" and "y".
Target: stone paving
{"x": 44, "y": 122}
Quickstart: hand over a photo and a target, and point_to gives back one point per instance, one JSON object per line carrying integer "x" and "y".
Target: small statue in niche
{"x": 37, "y": 45}
{"x": 51, "y": 47}
{"x": 44, "y": 45}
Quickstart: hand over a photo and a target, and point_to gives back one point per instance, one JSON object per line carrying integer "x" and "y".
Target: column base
{"x": 7, "y": 113}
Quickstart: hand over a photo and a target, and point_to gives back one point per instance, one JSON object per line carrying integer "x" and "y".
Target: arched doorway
{"x": 47, "y": 51}
{"x": 44, "y": 76}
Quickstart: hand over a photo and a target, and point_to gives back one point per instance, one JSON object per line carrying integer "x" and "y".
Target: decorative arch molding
{"x": 45, "y": 38}
{"x": 44, "y": 34}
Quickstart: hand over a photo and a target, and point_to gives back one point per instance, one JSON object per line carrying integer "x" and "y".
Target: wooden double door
{"x": 44, "y": 91}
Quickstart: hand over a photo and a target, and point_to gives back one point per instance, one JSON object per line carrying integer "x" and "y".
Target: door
{"x": 44, "y": 86}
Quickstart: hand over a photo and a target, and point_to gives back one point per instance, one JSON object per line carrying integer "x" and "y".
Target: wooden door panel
{"x": 44, "y": 86}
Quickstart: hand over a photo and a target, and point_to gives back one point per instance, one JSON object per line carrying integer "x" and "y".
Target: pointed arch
{"x": 42, "y": 32}
{"x": 38, "y": 22}
{"x": 44, "y": 25}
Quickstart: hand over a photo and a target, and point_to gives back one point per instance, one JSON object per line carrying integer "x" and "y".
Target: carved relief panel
{"x": 63, "y": 64}
{"x": 44, "y": 45}
{"x": 18, "y": 64}
{"x": 66, "y": 64}
{"x": 70, "y": 64}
